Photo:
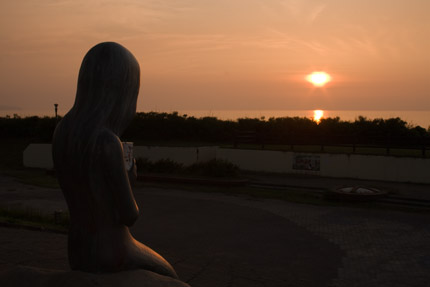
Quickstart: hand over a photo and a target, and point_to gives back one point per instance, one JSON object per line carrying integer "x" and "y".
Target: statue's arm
{"x": 117, "y": 179}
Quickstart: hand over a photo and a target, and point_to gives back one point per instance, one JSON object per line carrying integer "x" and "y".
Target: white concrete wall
{"x": 184, "y": 155}
{"x": 258, "y": 160}
{"x": 38, "y": 155}
{"x": 397, "y": 169}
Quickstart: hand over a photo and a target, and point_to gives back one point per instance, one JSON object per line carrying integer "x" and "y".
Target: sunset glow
{"x": 263, "y": 55}
{"x": 318, "y": 114}
{"x": 318, "y": 79}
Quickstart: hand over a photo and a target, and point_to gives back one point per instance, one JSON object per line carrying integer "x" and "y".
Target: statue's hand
{"x": 118, "y": 178}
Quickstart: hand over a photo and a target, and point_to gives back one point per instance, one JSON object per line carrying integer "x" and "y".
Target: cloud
{"x": 302, "y": 11}
{"x": 315, "y": 12}
{"x": 50, "y": 26}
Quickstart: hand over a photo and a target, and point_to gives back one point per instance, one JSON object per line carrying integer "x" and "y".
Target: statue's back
{"x": 89, "y": 162}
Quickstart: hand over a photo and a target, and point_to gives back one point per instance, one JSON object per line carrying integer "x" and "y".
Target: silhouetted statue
{"x": 88, "y": 158}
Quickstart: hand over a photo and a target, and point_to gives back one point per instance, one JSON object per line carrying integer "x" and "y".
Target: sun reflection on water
{"x": 318, "y": 114}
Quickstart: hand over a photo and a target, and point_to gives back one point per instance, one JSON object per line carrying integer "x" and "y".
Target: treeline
{"x": 34, "y": 128}
{"x": 283, "y": 130}
{"x": 154, "y": 126}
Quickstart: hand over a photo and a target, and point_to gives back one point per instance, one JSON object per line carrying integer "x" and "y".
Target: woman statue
{"x": 88, "y": 158}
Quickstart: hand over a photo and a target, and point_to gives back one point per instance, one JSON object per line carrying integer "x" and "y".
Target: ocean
{"x": 412, "y": 117}
{"x": 415, "y": 118}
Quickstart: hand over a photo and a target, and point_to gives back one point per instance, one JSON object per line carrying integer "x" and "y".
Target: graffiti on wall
{"x": 306, "y": 162}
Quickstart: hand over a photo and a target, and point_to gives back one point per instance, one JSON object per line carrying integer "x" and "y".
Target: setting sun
{"x": 318, "y": 79}
{"x": 318, "y": 114}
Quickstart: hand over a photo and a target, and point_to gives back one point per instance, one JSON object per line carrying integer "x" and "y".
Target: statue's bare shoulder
{"x": 109, "y": 144}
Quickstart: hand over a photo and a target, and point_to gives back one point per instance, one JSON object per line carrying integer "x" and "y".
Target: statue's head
{"x": 108, "y": 86}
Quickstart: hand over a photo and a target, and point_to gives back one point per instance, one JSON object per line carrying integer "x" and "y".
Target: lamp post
{"x": 56, "y": 109}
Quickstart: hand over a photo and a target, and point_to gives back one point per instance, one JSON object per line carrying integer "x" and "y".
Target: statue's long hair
{"x": 106, "y": 97}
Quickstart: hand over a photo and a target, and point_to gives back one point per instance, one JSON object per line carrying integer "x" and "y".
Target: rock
{"x": 21, "y": 276}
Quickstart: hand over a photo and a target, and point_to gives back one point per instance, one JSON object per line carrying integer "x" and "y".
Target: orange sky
{"x": 223, "y": 54}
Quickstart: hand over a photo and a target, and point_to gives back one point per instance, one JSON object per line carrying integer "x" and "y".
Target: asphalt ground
{"x": 218, "y": 240}
{"x": 399, "y": 189}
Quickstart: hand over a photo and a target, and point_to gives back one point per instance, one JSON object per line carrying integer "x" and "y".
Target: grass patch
{"x": 36, "y": 177}
{"x": 36, "y": 219}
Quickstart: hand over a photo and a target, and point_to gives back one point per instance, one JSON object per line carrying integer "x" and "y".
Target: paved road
{"x": 220, "y": 240}
{"x": 399, "y": 189}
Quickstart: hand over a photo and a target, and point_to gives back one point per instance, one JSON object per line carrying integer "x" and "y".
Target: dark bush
{"x": 215, "y": 167}
{"x": 161, "y": 166}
